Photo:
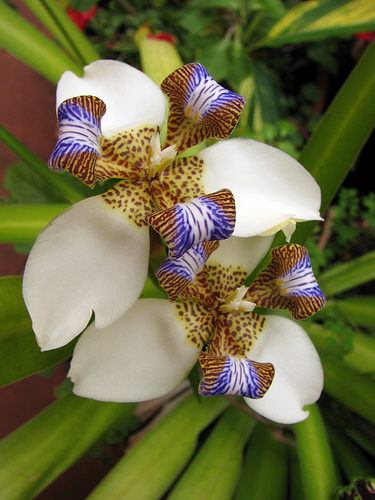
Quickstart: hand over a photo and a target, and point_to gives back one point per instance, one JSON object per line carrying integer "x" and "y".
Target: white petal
{"x": 244, "y": 252}
{"x": 142, "y": 356}
{"x": 88, "y": 258}
{"x": 269, "y": 186}
{"x": 131, "y": 97}
{"x": 298, "y": 372}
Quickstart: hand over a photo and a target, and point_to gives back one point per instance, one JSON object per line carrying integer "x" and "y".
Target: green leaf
{"x": 23, "y": 223}
{"x": 347, "y": 275}
{"x": 215, "y": 58}
{"x": 20, "y": 355}
{"x": 264, "y": 473}
{"x": 357, "y": 310}
{"x": 316, "y": 20}
{"x": 24, "y": 186}
{"x": 75, "y": 36}
{"x": 349, "y": 456}
{"x": 361, "y": 357}
{"x": 57, "y": 181}
{"x": 220, "y": 458}
{"x": 23, "y": 40}
{"x": 315, "y": 457}
{"x": 154, "y": 462}
{"x": 39, "y": 451}
{"x": 351, "y": 388}
{"x": 340, "y": 135}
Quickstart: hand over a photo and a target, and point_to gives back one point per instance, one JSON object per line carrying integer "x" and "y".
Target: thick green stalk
{"x": 23, "y": 223}
{"x": 26, "y": 42}
{"x": 220, "y": 458}
{"x": 152, "y": 465}
{"x": 42, "y": 449}
{"x": 341, "y": 133}
{"x": 55, "y": 180}
{"x": 264, "y": 474}
{"x": 315, "y": 457}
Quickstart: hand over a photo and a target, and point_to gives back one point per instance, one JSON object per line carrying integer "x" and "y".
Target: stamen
{"x": 234, "y": 303}
{"x": 158, "y": 159}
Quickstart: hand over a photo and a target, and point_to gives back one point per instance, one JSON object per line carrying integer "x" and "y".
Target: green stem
{"x": 151, "y": 466}
{"x": 315, "y": 457}
{"x": 23, "y": 40}
{"x": 54, "y": 179}
{"x": 23, "y": 223}
{"x": 266, "y": 458}
{"x": 221, "y": 459}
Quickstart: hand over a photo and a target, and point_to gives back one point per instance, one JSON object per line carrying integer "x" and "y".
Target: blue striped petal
{"x": 200, "y": 108}
{"x": 78, "y": 145}
{"x": 235, "y": 376}
{"x": 175, "y": 275}
{"x": 288, "y": 282}
{"x": 210, "y": 217}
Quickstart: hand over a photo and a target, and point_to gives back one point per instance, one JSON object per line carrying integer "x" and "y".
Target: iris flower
{"x": 94, "y": 256}
{"x": 267, "y": 359}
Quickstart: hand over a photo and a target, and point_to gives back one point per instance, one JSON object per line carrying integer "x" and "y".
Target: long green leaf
{"x": 357, "y": 310}
{"x": 23, "y": 40}
{"x": 44, "y": 16}
{"x": 341, "y": 133}
{"x": 39, "y": 451}
{"x": 344, "y": 276}
{"x": 154, "y": 463}
{"x": 23, "y": 223}
{"x": 264, "y": 473}
{"x": 360, "y": 358}
{"x": 315, "y": 457}
{"x": 20, "y": 355}
{"x": 316, "y": 20}
{"x": 220, "y": 458}
{"x": 54, "y": 179}
{"x": 350, "y": 457}
{"x": 354, "y": 390}
{"x": 76, "y": 37}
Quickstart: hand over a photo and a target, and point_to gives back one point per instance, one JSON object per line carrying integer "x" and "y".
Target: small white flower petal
{"x": 142, "y": 356}
{"x": 87, "y": 258}
{"x": 269, "y": 186}
{"x": 298, "y": 377}
{"x": 130, "y": 96}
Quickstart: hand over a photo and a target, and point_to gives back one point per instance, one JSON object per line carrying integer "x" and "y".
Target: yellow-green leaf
{"x": 315, "y": 20}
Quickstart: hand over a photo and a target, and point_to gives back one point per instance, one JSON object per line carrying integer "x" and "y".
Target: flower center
{"x": 158, "y": 159}
{"x": 234, "y": 303}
